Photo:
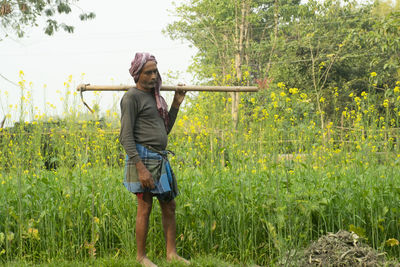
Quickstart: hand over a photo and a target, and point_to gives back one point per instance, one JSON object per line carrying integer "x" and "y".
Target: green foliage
{"x": 313, "y": 46}
{"x": 253, "y": 194}
{"x": 316, "y": 150}
{"x": 128, "y": 261}
{"x": 19, "y": 15}
{"x": 239, "y": 201}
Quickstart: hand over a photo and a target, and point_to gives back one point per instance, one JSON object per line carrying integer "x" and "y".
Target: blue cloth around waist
{"x": 165, "y": 184}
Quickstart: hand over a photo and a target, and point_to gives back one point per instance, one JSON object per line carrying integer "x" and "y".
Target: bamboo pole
{"x": 88, "y": 87}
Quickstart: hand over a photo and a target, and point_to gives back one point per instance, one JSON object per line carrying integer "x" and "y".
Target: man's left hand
{"x": 178, "y": 98}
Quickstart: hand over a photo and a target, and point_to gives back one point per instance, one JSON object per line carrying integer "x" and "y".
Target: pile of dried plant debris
{"x": 340, "y": 249}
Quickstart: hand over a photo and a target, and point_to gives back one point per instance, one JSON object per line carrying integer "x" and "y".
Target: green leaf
{"x": 357, "y": 230}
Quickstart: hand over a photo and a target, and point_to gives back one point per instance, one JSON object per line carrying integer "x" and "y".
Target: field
{"x": 255, "y": 193}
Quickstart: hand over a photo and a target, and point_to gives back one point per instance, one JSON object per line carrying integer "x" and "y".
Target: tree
{"x": 17, "y": 15}
{"x": 221, "y": 30}
{"x": 338, "y": 46}
{"x": 325, "y": 49}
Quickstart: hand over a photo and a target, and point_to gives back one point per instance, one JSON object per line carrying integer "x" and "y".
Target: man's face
{"x": 148, "y": 76}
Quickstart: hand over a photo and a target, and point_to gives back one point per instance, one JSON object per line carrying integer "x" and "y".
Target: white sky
{"x": 101, "y": 48}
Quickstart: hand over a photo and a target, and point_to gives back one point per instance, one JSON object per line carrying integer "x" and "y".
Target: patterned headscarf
{"x": 136, "y": 67}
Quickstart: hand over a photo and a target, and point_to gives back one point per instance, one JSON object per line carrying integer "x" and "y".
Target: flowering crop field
{"x": 256, "y": 192}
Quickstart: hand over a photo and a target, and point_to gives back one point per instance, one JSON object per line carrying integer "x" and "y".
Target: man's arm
{"x": 129, "y": 111}
{"x": 176, "y": 103}
{"x": 178, "y": 98}
{"x": 145, "y": 177}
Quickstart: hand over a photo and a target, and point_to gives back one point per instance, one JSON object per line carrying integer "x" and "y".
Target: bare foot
{"x": 146, "y": 262}
{"x": 176, "y": 257}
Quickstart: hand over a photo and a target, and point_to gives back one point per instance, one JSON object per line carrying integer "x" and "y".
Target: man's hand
{"x": 178, "y": 97}
{"x": 145, "y": 177}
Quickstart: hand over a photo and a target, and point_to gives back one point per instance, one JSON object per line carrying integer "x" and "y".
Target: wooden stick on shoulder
{"x": 88, "y": 87}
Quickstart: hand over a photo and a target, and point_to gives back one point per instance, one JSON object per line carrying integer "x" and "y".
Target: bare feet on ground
{"x": 176, "y": 257}
{"x": 146, "y": 262}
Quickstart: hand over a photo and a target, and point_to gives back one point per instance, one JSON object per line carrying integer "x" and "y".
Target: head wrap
{"x": 137, "y": 65}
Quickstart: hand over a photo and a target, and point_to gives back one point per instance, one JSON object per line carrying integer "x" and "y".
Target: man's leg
{"x": 169, "y": 225}
{"x": 145, "y": 202}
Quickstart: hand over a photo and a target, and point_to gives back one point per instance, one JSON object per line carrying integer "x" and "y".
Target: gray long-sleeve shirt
{"x": 141, "y": 122}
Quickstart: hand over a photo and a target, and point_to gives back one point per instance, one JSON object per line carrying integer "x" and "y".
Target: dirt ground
{"x": 340, "y": 249}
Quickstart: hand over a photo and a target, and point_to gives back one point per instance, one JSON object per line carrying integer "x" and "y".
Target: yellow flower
{"x": 373, "y": 74}
{"x": 33, "y": 233}
{"x": 396, "y": 89}
{"x": 392, "y": 242}
{"x": 293, "y": 91}
{"x": 322, "y": 99}
{"x": 385, "y": 103}
{"x": 281, "y": 85}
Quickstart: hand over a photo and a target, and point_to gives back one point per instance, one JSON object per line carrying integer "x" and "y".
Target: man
{"x": 145, "y": 124}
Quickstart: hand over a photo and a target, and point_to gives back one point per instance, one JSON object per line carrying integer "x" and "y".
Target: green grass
{"x": 205, "y": 261}
{"x": 249, "y": 194}
{"x": 241, "y": 215}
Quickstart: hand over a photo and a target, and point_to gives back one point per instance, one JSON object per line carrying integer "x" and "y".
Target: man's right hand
{"x": 145, "y": 177}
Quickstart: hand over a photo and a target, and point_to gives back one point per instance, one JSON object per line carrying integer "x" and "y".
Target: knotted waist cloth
{"x": 166, "y": 187}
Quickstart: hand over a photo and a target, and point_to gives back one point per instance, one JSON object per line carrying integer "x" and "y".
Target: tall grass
{"x": 255, "y": 193}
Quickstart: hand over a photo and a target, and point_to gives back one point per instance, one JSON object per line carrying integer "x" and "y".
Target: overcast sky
{"x": 102, "y": 49}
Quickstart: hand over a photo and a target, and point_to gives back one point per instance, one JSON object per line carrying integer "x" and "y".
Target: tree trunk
{"x": 276, "y": 21}
{"x": 241, "y": 31}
